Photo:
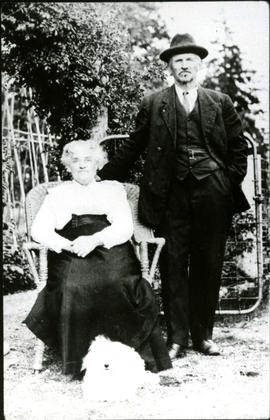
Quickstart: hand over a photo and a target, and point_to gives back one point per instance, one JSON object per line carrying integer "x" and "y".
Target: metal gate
{"x": 242, "y": 277}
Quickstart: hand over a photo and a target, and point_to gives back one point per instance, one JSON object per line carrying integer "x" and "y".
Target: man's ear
{"x": 169, "y": 68}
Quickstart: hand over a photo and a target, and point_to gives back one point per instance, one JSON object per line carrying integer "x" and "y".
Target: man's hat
{"x": 180, "y": 44}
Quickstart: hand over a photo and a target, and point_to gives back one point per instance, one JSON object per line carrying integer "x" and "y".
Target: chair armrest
{"x": 41, "y": 277}
{"x": 149, "y": 272}
{"x": 160, "y": 242}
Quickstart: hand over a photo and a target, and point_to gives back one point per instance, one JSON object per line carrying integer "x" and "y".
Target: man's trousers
{"x": 195, "y": 226}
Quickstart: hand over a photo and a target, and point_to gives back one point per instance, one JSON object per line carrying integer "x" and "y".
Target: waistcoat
{"x": 191, "y": 153}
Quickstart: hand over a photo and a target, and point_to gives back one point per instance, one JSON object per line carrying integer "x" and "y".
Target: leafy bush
{"x": 16, "y": 273}
{"x": 226, "y": 73}
{"x": 72, "y": 61}
{"x": 79, "y": 58}
{"x": 76, "y": 58}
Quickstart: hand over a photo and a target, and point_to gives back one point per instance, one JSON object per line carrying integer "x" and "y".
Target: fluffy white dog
{"x": 114, "y": 371}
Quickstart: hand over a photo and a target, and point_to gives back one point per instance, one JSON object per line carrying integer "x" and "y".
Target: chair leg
{"x": 39, "y": 351}
{"x": 144, "y": 260}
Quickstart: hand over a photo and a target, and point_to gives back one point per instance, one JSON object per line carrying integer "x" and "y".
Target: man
{"x": 196, "y": 160}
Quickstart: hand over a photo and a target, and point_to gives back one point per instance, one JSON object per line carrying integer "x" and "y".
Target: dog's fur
{"x": 114, "y": 371}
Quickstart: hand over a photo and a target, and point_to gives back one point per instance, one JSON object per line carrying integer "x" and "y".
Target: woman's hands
{"x": 68, "y": 246}
{"x": 83, "y": 245}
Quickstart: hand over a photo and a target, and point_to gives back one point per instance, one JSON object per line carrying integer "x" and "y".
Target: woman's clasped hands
{"x": 83, "y": 245}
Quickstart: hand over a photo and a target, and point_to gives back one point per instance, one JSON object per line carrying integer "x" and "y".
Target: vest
{"x": 191, "y": 153}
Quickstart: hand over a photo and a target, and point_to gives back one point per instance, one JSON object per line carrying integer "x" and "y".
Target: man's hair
{"x": 94, "y": 148}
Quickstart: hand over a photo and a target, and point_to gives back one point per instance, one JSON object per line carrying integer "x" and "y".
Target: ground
{"x": 232, "y": 386}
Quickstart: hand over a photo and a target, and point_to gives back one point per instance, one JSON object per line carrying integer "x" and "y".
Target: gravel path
{"x": 232, "y": 386}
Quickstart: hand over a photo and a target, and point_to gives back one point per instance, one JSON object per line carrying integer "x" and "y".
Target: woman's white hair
{"x": 96, "y": 150}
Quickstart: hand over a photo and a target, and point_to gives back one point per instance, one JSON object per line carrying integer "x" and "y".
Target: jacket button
{"x": 150, "y": 183}
{"x": 159, "y": 148}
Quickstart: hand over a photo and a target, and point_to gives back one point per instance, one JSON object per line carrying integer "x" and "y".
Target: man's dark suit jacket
{"x": 156, "y": 132}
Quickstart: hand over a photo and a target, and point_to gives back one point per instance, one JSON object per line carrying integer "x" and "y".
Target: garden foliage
{"x": 77, "y": 58}
{"x": 16, "y": 273}
{"x": 228, "y": 74}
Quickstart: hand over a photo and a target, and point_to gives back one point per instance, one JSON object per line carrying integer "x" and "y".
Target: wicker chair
{"x": 141, "y": 238}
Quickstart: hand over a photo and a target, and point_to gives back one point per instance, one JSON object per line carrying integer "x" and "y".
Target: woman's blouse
{"x": 98, "y": 198}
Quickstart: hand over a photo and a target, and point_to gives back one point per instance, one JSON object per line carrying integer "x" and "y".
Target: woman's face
{"x": 82, "y": 165}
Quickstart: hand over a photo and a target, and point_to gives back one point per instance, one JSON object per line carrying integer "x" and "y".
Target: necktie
{"x": 185, "y": 102}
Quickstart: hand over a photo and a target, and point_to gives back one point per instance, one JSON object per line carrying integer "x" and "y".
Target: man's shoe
{"x": 207, "y": 347}
{"x": 176, "y": 351}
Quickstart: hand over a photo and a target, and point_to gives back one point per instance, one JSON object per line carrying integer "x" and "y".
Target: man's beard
{"x": 184, "y": 80}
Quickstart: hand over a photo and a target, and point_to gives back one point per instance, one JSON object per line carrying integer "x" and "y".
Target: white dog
{"x": 114, "y": 371}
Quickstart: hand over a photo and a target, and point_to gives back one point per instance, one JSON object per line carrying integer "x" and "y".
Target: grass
{"x": 232, "y": 386}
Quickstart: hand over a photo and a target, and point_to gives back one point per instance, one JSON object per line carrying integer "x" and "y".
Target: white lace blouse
{"x": 103, "y": 198}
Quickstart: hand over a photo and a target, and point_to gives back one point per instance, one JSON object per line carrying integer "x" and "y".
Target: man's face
{"x": 184, "y": 67}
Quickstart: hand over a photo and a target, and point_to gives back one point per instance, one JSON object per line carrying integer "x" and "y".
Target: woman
{"x": 94, "y": 283}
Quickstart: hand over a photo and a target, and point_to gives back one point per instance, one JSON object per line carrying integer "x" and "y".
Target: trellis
{"x": 24, "y": 156}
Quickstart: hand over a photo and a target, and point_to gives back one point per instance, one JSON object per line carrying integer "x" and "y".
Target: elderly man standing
{"x": 195, "y": 162}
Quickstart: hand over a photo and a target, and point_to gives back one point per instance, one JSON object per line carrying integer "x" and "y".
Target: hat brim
{"x": 194, "y": 49}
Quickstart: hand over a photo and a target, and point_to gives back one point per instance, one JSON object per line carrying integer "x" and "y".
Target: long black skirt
{"x": 103, "y": 293}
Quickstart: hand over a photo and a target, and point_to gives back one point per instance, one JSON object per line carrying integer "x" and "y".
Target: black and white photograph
{"x": 135, "y": 210}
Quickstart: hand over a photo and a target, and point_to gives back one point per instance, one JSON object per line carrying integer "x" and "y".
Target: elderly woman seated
{"x": 94, "y": 281}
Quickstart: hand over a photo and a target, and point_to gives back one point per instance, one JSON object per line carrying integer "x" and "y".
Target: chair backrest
{"x": 141, "y": 232}
{"x": 35, "y": 198}
{"x": 33, "y": 201}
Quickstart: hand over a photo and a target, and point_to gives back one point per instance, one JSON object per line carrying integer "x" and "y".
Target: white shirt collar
{"x": 192, "y": 92}
{"x": 79, "y": 186}
{"x": 191, "y": 97}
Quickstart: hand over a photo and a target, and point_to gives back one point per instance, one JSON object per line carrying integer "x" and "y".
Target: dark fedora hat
{"x": 183, "y": 43}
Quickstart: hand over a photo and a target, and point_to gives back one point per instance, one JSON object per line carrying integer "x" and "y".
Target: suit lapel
{"x": 208, "y": 110}
{"x": 168, "y": 112}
